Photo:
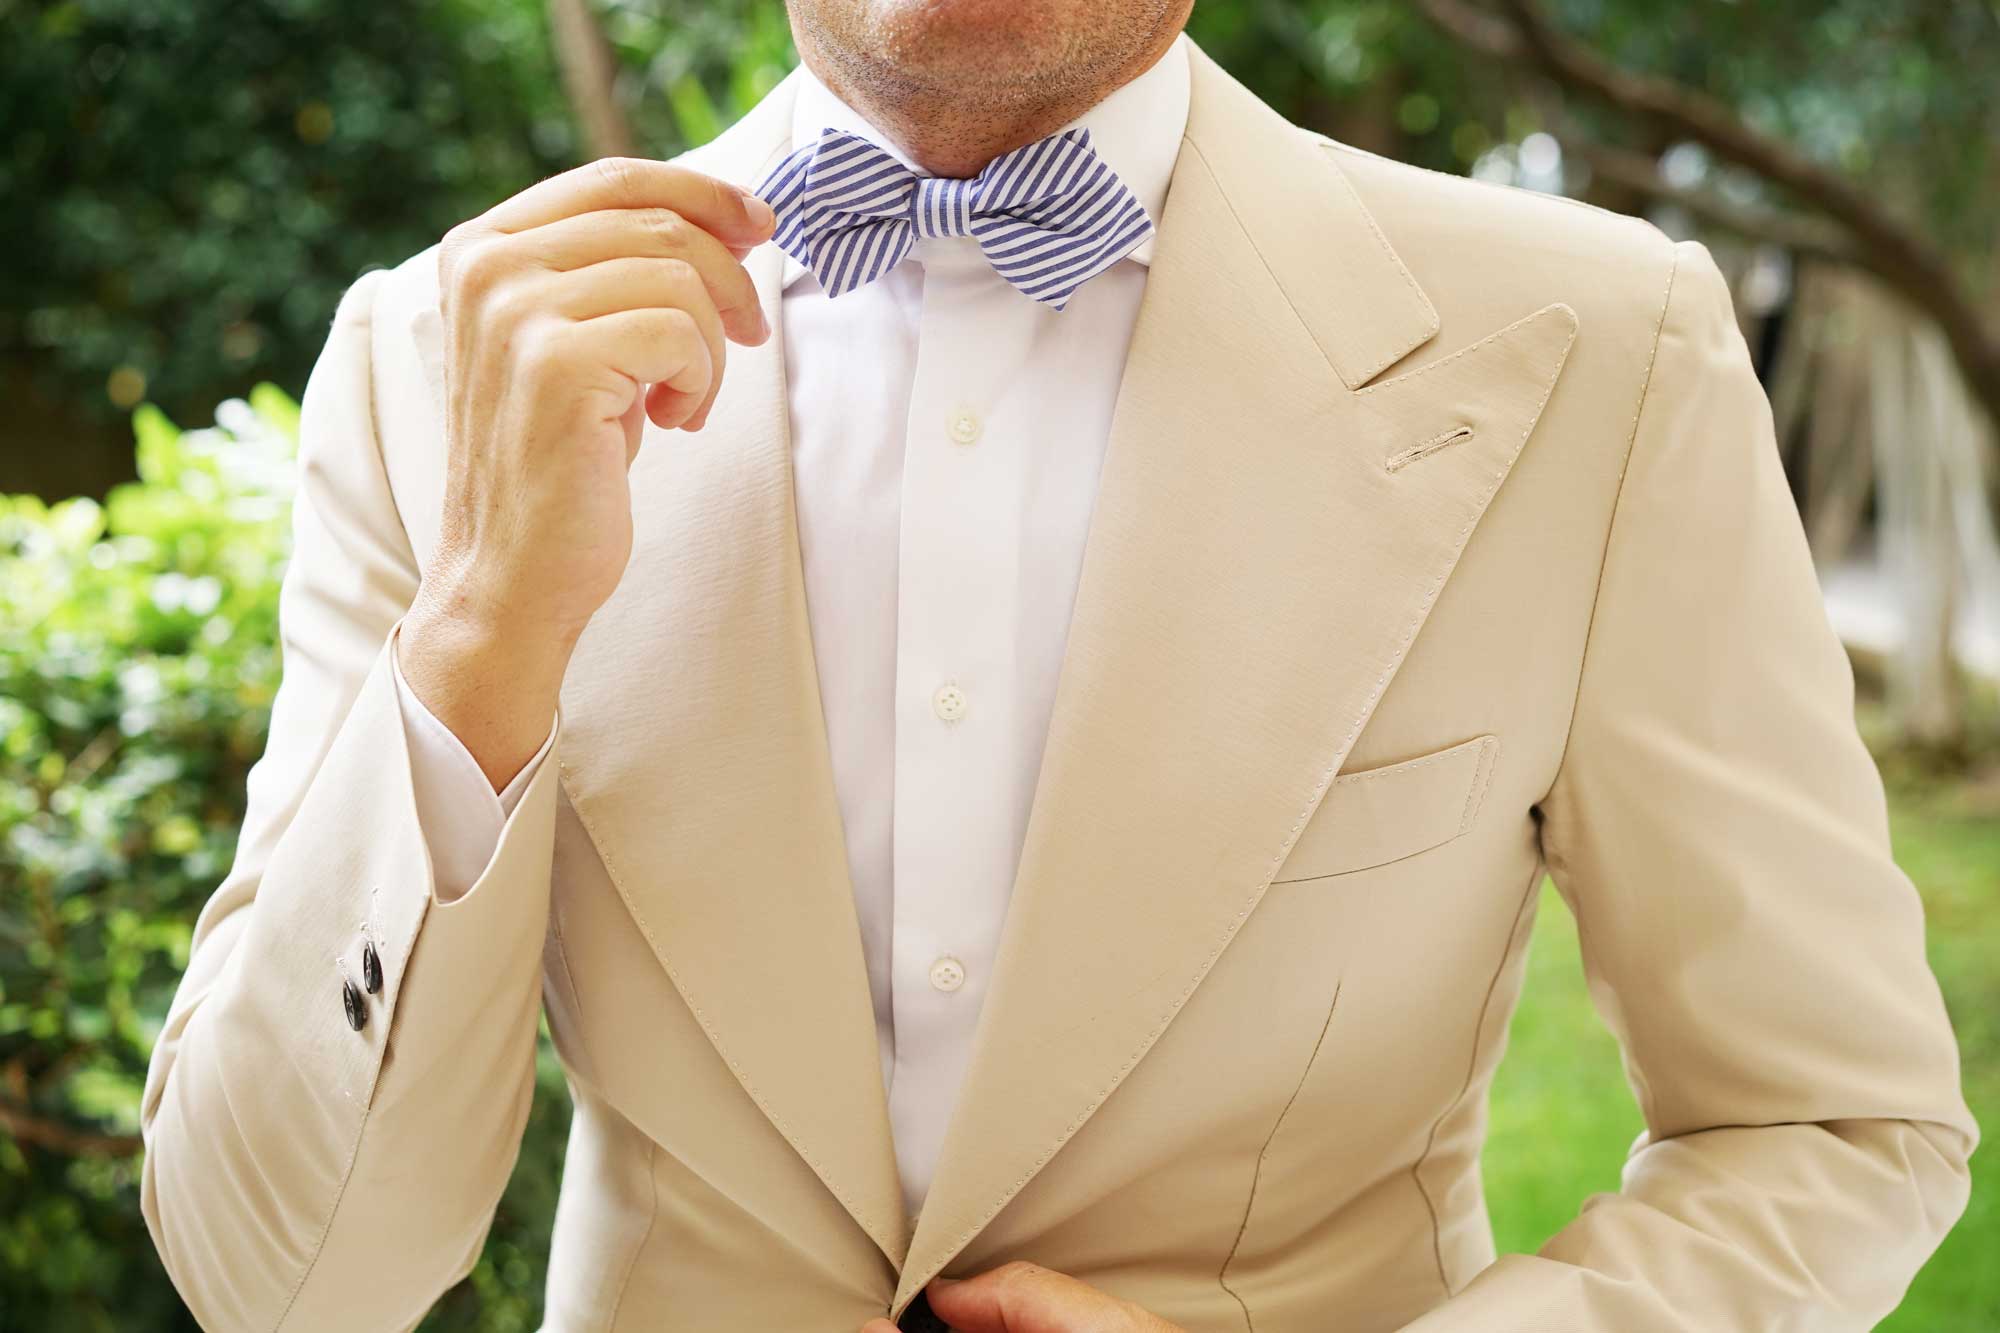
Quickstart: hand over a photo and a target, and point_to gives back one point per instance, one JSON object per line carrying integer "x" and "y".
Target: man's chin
{"x": 975, "y": 43}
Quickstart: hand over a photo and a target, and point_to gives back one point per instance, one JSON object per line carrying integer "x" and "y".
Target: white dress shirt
{"x": 947, "y": 433}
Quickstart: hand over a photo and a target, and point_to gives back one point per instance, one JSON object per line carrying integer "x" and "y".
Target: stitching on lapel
{"x": 1406, "y": 377}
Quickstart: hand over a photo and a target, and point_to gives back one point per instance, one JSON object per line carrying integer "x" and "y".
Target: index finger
{"x": 732, "y": 216}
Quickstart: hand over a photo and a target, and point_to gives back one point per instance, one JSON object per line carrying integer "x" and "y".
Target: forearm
{"x": 292, "y": 1166}
{"x": 301, "y": 1171}
{"x": 1806, "y": 1226}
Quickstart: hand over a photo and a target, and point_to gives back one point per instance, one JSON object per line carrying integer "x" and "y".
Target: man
{"x": 1036, "y": 772}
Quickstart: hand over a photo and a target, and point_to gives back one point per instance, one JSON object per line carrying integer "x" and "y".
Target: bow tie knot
{"x": 941, "y": 206}
{"x": 1048, "y": 216}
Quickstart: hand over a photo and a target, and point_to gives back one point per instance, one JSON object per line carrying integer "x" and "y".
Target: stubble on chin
{"x": 954, "y": 78}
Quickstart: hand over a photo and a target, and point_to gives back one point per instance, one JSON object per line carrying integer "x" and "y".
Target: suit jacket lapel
{"x": 695, "y": 755}
{"x": 1272, "y": 528}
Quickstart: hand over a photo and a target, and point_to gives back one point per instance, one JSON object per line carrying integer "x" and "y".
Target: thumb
{"x": 1016, "y": 1297}
{"x": 971, "y": 1305}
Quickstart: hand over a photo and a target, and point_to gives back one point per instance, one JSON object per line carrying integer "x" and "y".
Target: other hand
{"x": 1022, "y": 1297}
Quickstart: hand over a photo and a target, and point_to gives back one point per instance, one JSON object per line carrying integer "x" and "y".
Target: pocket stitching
{"x": 1475, "y": 800}
{"x": 1482, "y": 778}
{"x": 1435, "y": 757}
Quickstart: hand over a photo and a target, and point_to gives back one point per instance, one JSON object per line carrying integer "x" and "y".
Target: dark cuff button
{"x": 357, "y": 1009}
{"x": 371, "y": 968}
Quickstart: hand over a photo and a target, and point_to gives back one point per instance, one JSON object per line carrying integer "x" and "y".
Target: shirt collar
{"x": 1136, "y": 130}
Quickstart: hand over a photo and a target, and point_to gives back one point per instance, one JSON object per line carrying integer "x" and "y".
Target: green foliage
{"x": 206, "y": 177}
{"x": 1889, "y": 93}
{"x": 138, "y": 662}
{"x": 693, "y": 68}
{"x": 137, "y": 667}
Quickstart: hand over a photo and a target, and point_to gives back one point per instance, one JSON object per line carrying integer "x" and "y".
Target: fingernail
{"x": 942, "y": 1281}
{"x": 759, "y": 212}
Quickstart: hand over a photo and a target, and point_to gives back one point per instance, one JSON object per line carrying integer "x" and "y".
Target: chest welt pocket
{"x": 1379, "y": 815}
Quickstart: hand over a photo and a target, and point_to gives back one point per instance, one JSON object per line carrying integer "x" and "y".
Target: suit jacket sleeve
{"x": 300, "y": 1173}
{"x": 1721, "y": 835}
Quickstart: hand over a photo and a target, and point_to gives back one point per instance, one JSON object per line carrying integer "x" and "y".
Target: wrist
{"x": 494, "y": 685}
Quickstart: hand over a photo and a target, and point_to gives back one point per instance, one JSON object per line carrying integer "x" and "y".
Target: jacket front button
{"x": 371, "y": 968}
{"x": 357, "y": 1011}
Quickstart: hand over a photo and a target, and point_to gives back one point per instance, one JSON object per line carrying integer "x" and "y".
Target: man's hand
{"x": 1021, "y": 1297}
{"x": 572, "y": 312}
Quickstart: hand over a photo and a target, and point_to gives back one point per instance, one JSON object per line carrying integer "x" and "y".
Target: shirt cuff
{"x": 459, "y": 813}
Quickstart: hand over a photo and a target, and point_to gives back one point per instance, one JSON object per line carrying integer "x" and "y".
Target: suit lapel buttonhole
{"x": 1405, "y": 457}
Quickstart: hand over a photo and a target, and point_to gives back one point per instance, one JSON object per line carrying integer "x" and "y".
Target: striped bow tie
{"x": 1048, "y": 216}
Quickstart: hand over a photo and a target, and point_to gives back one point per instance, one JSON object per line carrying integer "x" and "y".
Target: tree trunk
{"x": 1918, "y": 535}
{"x": 589, "y": 74}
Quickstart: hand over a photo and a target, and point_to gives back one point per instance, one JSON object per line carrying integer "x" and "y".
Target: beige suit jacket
{"x": 1441, "y": 539}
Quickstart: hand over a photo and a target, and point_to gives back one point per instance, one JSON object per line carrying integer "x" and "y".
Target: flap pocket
{"x": 1381, "y": 815}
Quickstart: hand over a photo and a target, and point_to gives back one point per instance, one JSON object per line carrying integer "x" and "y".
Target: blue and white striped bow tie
{"x": 1048, "y": 216}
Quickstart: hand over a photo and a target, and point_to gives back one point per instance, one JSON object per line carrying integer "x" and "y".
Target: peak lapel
{"x": 695, "y": 756}
{"x": 1271, "y": 530}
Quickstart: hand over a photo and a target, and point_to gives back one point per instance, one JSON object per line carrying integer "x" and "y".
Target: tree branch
{"x": 69, "y": 1140}
{"x": 1881, "y": 243}
{"x": 1475, "y": 28}
{"x": 1807, "y": 237}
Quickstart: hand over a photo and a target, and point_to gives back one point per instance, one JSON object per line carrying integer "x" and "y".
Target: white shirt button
{"x": 964, "y": 425}
{"x": 949, "y": 702}
{"x": 947, "y": 973}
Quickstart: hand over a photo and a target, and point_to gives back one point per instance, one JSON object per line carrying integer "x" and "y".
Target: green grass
{"x": 1562, "y": 1117}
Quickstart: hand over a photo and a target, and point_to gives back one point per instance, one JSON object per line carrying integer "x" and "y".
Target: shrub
{"x": 138, "y": 660}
